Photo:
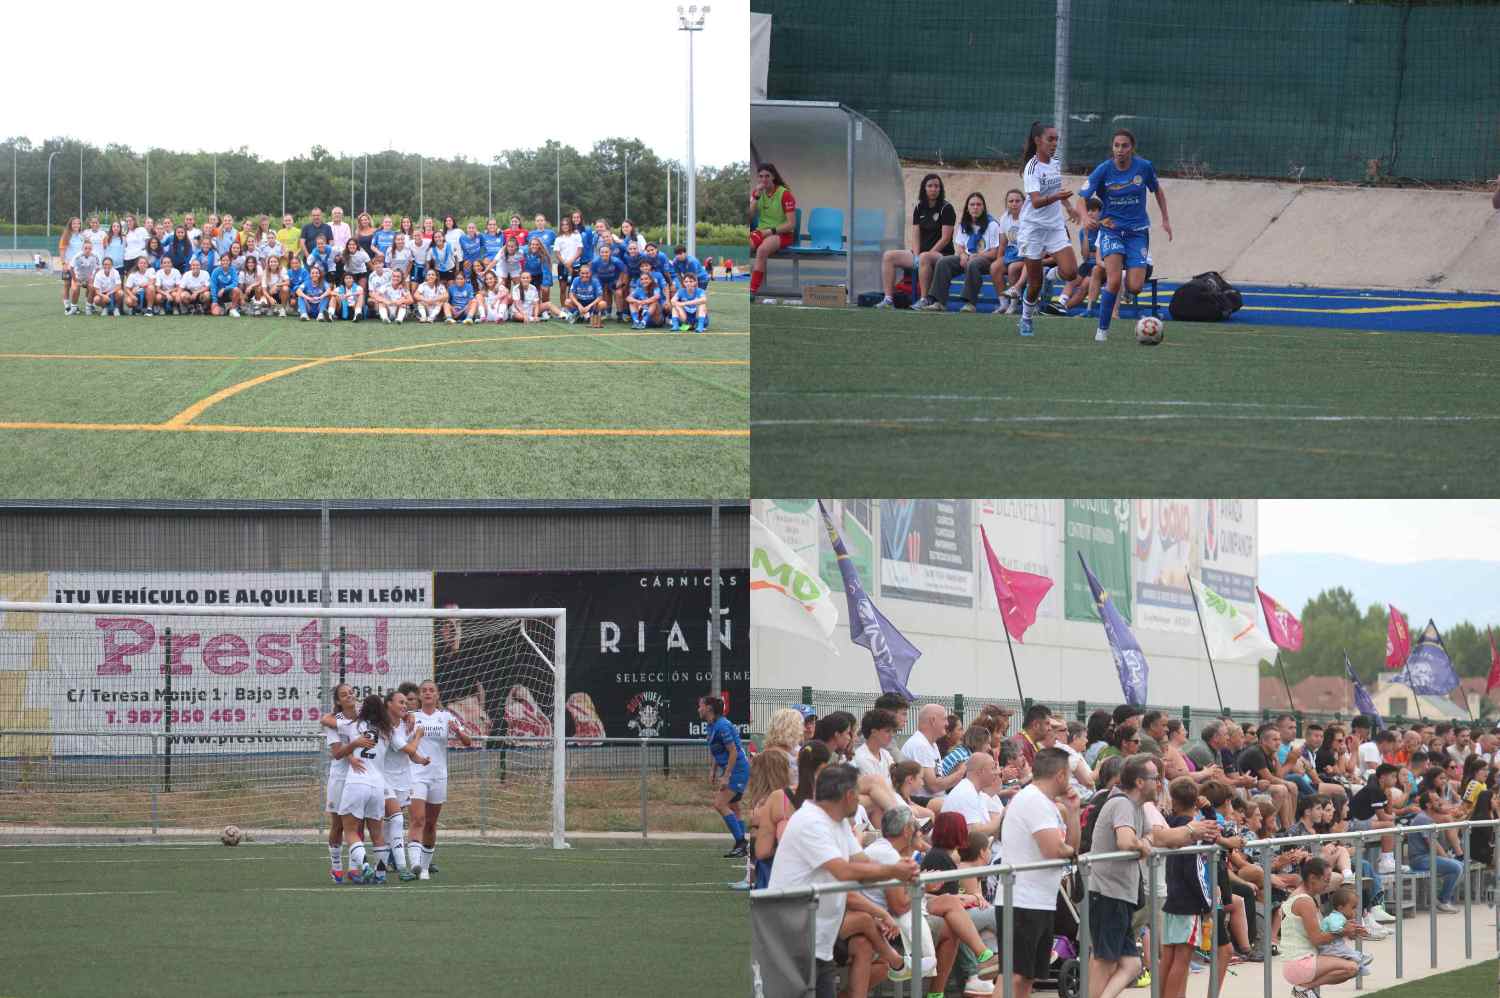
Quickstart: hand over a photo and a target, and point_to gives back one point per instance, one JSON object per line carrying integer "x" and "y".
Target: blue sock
{"x": 1106, "y": 308}
{"x": 735, "y": 828}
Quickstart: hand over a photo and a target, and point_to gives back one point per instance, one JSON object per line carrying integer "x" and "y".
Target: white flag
{"x": 784, "y": 592}
{"x": 1232, "y": 636}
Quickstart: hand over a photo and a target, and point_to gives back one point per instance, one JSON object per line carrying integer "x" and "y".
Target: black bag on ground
{"x": 1206, "y": 298}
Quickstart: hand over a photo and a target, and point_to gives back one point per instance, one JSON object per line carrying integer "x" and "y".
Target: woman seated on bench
{"x": 773, "y": 212}
{"x": 930, "y": 239}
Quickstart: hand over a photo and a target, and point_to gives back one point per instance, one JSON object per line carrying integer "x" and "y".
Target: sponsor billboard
{"x": 927, "y": 551}
{"x": 1227, "y": 543}
{"x": 1163, "y": 534}
{"x": 1100, "y": 529}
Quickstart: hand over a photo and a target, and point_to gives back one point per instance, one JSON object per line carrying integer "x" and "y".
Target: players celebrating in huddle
{"x": 334, "y": 272}
{"x": 384, "y": 757}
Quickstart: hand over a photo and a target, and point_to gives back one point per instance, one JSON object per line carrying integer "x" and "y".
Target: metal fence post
{"x": 1265, "y": 938}
{"x": 1085, "y": 938}
{"x": 641, "y": 753}
{"x": 958, "y": 705}
{"x": 166, "y": 764}
{"x": 155, "y": 817}
{"x": 1214, "y": 941}
{"x": 1359, "y": 941}
{"x": 1152, "y": 925}
{"x": 914, "y": 958}
{"x": 484, "y": 786}
{"x": 807, "y": 696}
{"x": 1432, "y": 892}
{"x": 1008, "y": 932}
{"x": 1468, "y": 901}
{"x": 1083, "y": 712}
{"x": 1400, "y": 916}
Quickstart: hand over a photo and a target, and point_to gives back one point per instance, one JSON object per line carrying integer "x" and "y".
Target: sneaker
{"x": 380, "y": 877}
{"x": 741, "y": 885}
{"x": 702, "y": 326}
{"x": 407, "y": 875}
{"x": 433, "y": 869}
{"x": 1372, "y": 928}
{"x": 931, "y": 305}
{"x": 886, "y": 302}
{"x": 976, "y": 987}
{"x": 1101, "y": 335}
{"x": 1447, "y": 908}
{"x": 738, "y": 852}
{"x": 967, "y": 306}
{"x": 423, "y": 875}
{"x": 1054, "y": 308}
{"x": 354, "y": 877}
{"x": 1380, "y": 915}
{"x": 234, "y": 313}
{"x": 568, "y": 317}
{"x": 148, "y": 312}
{"x": 337, "y": 876}
{"x": 1144, "y": 981}
{"x": 304, "y": 316}
{"x": 1387, "y": 864}
{"x": 989, "y": 969}
{"x": 1026, "y": 327}
{"x": 676, "y": 326}
{"x": 449, "y": 321}
{"x": 469, "y": 321}
{"x": 902, "y": 972}
{"x": 281, "y": 313}
{"x": 367, "y": 873}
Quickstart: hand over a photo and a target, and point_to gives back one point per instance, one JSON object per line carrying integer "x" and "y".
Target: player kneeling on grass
{"x": 363, "y": 799}
{"x": 462, "y": 305}
{"x": 429, "y": 789}
{"x": 349, "y": 300}
{"x": 192, "y": 293}
{"x": 432, "y": 298}
{"x": 106, "y": 288}
{"x": 273, "y": 287}
{"x": 138, "y": 287}
{"x": 164, "y": 284}
{"x": 224, "y": 287}
{"x": 645, "y": 301}
{"x": 314, "y": 297}
{"x": 250, "y": 284}
{"x": 690, "y": 306}
{"x": 586, "y": 298}
{"x": 396, "y": 299}
{"x": 527, "y": 304}
{"x": 494, "y": 304}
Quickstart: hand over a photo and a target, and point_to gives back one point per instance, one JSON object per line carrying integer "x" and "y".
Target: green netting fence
{"x": 1280, "y": 89}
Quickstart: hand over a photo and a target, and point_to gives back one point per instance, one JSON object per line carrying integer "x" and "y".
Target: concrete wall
{"x": 1265, "y": 233}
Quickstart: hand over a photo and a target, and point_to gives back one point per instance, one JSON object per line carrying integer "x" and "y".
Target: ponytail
{"x": 1037, "y": 128}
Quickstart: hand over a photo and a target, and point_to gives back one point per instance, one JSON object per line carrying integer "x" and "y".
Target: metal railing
{"x": 150, "y": 779}
{"x": 1265, "y": 847}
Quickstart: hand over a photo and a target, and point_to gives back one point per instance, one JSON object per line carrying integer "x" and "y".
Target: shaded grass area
{"x": 895, "y": 403}
{"x": 529, "y": 380}
{"x": 1475, "y": 981}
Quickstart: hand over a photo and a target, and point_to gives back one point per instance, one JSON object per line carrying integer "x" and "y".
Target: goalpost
{"x": 145, "y": 722}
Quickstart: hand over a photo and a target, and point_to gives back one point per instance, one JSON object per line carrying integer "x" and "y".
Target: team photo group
{"x": 435, "y": 270}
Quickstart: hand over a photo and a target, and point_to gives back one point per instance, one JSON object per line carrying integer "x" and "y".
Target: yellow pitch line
{"x": 141, "y": 356}
{"x": 1425, "y": 307}
{"x": 376, "y": 431}
{"x": 374, "y": 360}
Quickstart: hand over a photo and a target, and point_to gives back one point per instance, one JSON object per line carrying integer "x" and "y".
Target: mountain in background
{"x": 1448, "y": 591}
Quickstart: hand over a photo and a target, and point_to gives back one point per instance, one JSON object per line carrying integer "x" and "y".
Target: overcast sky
{"x": 501, "y": 76}
{"x": 1393, "y": 531}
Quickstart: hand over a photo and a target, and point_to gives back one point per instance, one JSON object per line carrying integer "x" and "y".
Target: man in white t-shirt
{"x": 1040, "y": 824}
{"x": 818, "y": 848}
{"x": 968, "y": 795}
{"x": 874, "y": 761}
{"x": 1369, "y": 754}
{"x": 921, "y": 749}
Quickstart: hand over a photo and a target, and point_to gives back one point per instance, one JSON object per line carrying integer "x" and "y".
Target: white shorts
{"x": 362, "y": 800}
{"x": 1035, "y": 242}
{"x": 401, "y": 795}
{"x": 335, "y": 794}
{"x": 433, "y": 790}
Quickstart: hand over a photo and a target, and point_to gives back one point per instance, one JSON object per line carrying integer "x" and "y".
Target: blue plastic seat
{"x": 825, "y": 231}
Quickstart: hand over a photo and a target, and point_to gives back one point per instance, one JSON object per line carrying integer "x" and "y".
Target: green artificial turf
{"x": 114, "y": 372}
{"x": 866, "y": 402}
{"x": 610, "y": 918}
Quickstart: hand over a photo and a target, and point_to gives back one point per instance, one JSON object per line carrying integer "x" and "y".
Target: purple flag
{"x": 1428, "y": 669}
{"x": 1130, "y": 661}
{"x": 1361, "y": 697}
{"x": 894, "y": 655}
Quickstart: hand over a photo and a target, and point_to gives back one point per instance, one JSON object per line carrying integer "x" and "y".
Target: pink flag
{"x": 1018, "y": 593}
{"x": 1397, "y": 640}
{"x": 1285, "y": 629}
{"x": 1494, "y": 668}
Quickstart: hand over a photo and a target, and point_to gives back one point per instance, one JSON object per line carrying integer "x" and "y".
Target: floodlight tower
{"x": 691, "y": 21}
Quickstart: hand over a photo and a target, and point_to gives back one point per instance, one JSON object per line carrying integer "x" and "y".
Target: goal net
{"x": 141, "y": 722}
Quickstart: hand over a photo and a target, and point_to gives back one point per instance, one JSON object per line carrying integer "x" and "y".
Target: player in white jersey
{"x": 164, "y": 287}
{"x": 495, "y": 302}
{"x": 1042, "y": 232}
{"x": 251, "y": 284}
{"x": 192, "y": 289}
{"x": 138, "y": 287}
{"x": 363, "y": 797}
{"x": 432, "y": 298}
{"x": 83, "y": 268}
{"x": 339, "y": 734}
{"x": 429, "y": 787}
{"x": 106, "y": 288}
{"x": 406, "y": 740}
{"x": 397, "y": 298}
{"x": 274, "y": 287}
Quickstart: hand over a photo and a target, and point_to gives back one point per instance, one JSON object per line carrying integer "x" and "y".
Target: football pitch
{"x": 611, "y": 918}
{"x": 859, "y": 401}
{"x": 194, "y": 407}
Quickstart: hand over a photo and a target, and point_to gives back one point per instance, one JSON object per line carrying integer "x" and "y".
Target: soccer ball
{"x": 231, "y": 835}
{"x": 1149, "y": 330}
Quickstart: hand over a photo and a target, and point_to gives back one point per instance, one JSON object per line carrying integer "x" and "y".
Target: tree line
{"x": 1333, "y": 623}
{"x": 525, "y": 181}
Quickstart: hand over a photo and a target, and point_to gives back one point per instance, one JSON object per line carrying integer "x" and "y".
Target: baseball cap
{"x": 807, "y": 712}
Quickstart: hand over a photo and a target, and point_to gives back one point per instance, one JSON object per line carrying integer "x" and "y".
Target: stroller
{"x": 1065, "y": 975}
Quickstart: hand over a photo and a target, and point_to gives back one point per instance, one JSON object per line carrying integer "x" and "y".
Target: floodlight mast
{"x": 691, "y": 21}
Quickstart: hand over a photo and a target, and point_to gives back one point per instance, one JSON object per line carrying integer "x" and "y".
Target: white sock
{"x": 383, "y": 855}
{"x": 401, "y": 314}
{"x": 414, "y": 855}
{"x": 1026, "y": 307}
{"x": 357, "y": 856}
{"x": 336, "y": 857}
{"x": 427, "y": 855}
{"x": 395, "y": 834}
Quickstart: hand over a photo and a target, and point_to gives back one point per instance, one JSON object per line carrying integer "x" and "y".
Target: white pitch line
{"x": 1158, "y": 417}
{"x": 81, "y": 894}
{"x": 1024, "y": 399}
{"x": 329, "y": 888}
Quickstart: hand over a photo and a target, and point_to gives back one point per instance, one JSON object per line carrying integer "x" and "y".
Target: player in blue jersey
{"x": 315, "y": 296}
{"x": 384, "y": 238}
{"x": 541, "y": 230}
{"x": 492, "y": 239}
{"x": 349, "y": 300}
{"x": 205, "y": 254}
{"x": 731, "y": 770}
{"x": 537, "y": 261}
{"x": 690, "y": 305}
{"x": 1120, "y": 183}
{"x": 224, "y": 286}
{"x": 611, "y": 275}
{"x": 471, "y": 245}
{"x": 682, "y": 265}
{"x": 462, "y": 305}
{"x": 645, "y": 300}
{"x": 586, "y": 299}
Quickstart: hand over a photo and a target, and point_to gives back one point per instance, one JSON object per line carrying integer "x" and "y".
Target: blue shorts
{"x": 1109, "y": 927}
{"x": 1133, "y": 246}
{"x": 1012, "y": 254}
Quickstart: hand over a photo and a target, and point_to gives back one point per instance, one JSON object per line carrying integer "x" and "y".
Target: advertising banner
{"x": 1163, "y": 553}
{"x": 1228, "y": 535}
{"x": 1100, "y": 530}
{"x": 215, "y": 682}
{"x": 927, "y": 550}
{"x": 638, "y": 650}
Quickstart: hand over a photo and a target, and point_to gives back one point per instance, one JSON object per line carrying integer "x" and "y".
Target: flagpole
{"x": 1020, "y": 697}
{"x": 1199, "y": 611}
{"x": 1282, "y": 669}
